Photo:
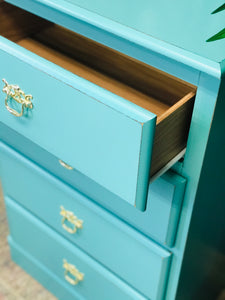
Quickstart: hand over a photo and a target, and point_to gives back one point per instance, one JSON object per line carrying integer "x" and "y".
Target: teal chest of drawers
{"x": 112, "y": 146}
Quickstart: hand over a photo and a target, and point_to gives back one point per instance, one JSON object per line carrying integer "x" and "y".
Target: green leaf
{"x": 222, "y": 7}
{"x": 220, "y": 35}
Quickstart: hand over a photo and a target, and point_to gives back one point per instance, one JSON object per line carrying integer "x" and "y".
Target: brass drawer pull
{"x": 71, "y": 218}
{"x": 71, "y": 270}
{"x": 14, "y": 92}
{"x": 63, "y": 164}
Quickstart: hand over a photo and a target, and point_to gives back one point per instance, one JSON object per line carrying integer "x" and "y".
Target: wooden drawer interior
{"x": 164, "y": 95}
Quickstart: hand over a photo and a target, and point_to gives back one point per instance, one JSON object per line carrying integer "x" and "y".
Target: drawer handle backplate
{"x": 71, "y": 270}
{"x": 14, "y": 92}
{"x": 71, "y": 218}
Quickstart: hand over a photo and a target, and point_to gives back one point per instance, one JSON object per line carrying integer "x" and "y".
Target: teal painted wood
{"x": 38, "y": 271}
{"x": 169, "y": 192}
{"x": 207, "y": 237}
{"x": 192, "y": 167}
{"x": 49, "y": 249}
{"x": 176, "y": 61}
{"x": 159, "y": 220}
{"x": 134, "y": 42}
{"x": 104, "y": 237}
{"x": 166, "y": 21}
{"x": 106, "y": 133}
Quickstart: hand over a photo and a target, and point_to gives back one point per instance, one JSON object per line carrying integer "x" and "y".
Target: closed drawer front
{"x": 88, "y": 122}
{"x": 133, "y": 257}
{"x": 159, "y": 220}
{"x": 85, "y": 278}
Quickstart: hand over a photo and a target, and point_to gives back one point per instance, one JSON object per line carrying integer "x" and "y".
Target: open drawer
{"x": 107, "y": 115}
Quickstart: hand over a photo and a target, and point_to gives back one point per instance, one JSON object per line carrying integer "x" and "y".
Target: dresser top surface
{"x": 187, "y": 24}
{"x": 194, "y": 27}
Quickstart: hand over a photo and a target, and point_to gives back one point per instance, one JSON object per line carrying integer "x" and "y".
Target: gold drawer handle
{"x": 71, "y": 218}
{"x": 14, "y": 92}
{"x": 71, "y": 270}
{"x": 63, "y": 164}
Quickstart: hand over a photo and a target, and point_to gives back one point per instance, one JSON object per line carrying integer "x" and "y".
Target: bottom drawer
{"x": 54, "y": 258}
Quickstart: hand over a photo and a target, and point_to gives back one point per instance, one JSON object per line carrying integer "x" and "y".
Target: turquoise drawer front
{"x": 49, "y": 250}
{"x": 126, "y": 252}
{"x": 78, "y": 111}
{"x": 84, "y": 125}
{"x": 159, "y": 220}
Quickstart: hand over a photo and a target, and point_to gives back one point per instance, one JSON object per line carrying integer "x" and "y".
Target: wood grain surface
{"x": 15, "y": 284}
{"x": 16, "y": 23}
{"x": 133, "y": 80}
